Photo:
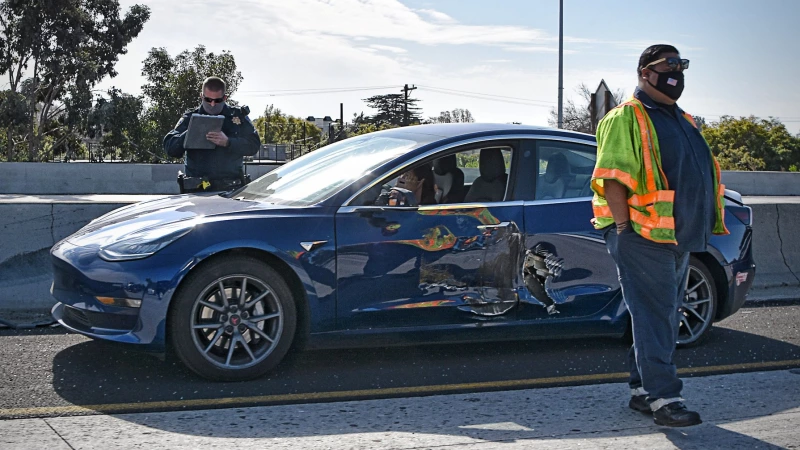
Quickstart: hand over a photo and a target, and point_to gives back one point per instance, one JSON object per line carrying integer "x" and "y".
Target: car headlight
{"x": 143, "y": 243}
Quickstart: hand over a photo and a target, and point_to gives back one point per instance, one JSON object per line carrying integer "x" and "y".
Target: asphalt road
{"x": 49, "y": 372}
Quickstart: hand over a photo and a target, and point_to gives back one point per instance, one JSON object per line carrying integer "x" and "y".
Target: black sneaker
{"x": 639, "y": 403}
{"x": 676, "y": 415}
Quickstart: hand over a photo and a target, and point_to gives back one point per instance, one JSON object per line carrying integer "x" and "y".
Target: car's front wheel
{"x": 233, "y": 319}
{"x": 696, "y": 313}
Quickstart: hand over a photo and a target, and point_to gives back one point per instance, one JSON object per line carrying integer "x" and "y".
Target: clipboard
{"x": 199, "y": 126}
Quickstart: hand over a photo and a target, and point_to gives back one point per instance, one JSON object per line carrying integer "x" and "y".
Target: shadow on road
{"x": 110, "y": 378}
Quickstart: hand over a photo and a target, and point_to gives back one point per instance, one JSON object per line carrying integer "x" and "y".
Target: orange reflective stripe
{"x": 653, "y": 221}
{"x": 689, "y": 117}
{"x": 651, "y": 198}
{"x": 647, "y": 144}
{"x": 644, "y": 130}
{"x": 646, "y": 233}
{"x": 601, "y": 211}
{"x": 620, "y": 175}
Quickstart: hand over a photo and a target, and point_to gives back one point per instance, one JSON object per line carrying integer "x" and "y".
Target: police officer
{"x": 220, "y": 168}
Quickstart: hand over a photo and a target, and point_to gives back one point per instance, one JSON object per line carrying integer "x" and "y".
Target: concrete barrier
{"x": 94, "y": 178}
{"x": 776, "y": 245}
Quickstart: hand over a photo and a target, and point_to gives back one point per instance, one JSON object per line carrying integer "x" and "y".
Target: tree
{"x": 173, "y": 86}
{"x": 14, "y": 116}
{"x": 119, "y": 123}
{"x": 576, "y": 117}
{"x": 750, "y": 143}
{"x": 71, "y": 46}
{"x": 457, "y": 115}
{"x": 391, "y": 111}
{"x": 278, "y": 128}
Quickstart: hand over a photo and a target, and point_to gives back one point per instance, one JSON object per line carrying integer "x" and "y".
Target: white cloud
{"x": 437, "y": 16}
{"x": 388, "y": 48}
{"x": 313, "y": 44}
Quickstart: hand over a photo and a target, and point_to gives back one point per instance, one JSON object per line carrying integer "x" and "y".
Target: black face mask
{"x": 669, "y": 84}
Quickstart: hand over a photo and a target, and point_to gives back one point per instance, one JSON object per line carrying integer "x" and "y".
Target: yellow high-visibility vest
{"x": 628, "y": 152}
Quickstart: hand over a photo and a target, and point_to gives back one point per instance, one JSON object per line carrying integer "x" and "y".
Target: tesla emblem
{"x": 234, "y": 320}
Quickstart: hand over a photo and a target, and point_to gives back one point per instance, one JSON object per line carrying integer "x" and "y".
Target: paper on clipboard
{"x": 199, "y": 126}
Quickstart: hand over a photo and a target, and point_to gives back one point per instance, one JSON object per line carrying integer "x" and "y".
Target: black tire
{"x": 699, "y": 305}
{"x": 249, "y": 330}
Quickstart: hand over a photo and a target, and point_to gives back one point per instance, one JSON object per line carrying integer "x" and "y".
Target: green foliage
{"x": 118, "y": 122}
{"x": 467, "y": 160}
{"x": 278, "y": 128}
{"x": 391, "y": 110}
{"x": 457, "y": 115}
{"x": 750, "y": 143}
{"x": 14, "y": 114}
{"x": 68, "y": 46}
{"x": 362, "y": 125}
{"x": 174, "y": 86}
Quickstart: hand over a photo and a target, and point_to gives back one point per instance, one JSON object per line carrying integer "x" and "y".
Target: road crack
{"x": 778, "y": 225}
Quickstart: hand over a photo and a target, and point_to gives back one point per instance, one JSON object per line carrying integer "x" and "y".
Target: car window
{"x": 320, "y": 174}
{"x": 452, "y": 177}
{"x": 564, "y": 170}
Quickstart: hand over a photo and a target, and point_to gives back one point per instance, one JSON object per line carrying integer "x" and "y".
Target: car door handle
{"x": 495, "y": 226}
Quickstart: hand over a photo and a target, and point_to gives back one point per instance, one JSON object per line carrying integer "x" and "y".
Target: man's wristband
{"x": 622, "y": 226}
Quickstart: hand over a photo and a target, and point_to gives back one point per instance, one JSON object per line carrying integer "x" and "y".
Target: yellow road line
{"x": 335, "y": 395}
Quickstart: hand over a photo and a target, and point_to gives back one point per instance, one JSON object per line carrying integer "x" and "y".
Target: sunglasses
{"x": 673, "y": 63}
{"x": 213, "y": 100}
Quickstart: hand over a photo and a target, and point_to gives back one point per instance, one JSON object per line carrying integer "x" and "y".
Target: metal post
{"x": 561, "y": 64}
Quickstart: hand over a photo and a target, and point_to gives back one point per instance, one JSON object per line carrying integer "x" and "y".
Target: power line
{"x": 327, "y": 89}
{"x": 523, "y": 102}
{"x": 489, "y": 95}
{"x": 315, "y": 91}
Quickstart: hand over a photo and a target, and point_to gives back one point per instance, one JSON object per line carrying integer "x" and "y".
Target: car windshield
{"x": 318, "y": 175}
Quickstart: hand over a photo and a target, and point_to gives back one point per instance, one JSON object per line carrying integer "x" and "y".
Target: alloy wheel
{"x": 696, "y": 313}
{"x": 236, "y": 321}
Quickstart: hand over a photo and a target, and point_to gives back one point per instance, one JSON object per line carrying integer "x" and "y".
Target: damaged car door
{"x": 567, "y": 270}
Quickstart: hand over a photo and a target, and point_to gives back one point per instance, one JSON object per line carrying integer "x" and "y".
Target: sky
{"x": 499, "y": 59}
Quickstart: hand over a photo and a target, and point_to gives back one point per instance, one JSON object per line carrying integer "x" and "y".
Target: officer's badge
{"x": 236, "y": 120}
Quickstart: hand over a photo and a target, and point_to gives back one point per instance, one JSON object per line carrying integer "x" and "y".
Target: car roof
{"x": 454, "y": 130}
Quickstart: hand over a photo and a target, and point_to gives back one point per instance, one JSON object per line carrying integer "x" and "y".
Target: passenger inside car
{"x": 449, "y": 180}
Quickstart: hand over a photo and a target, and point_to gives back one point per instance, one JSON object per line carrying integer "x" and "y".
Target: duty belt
{"x": 205, "y": 184}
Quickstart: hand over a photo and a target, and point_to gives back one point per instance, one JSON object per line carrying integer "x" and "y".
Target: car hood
{"x": 160, "y": 212}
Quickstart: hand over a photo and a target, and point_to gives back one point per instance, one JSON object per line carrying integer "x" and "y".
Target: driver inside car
{"x": 421, "y": 182}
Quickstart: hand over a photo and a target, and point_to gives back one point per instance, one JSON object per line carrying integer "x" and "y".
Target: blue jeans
{"x": 653, "y": 281}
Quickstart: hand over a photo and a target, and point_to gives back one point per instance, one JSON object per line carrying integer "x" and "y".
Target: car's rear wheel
{"x": 233, "y": 319}
{"x": 699, "y": 304}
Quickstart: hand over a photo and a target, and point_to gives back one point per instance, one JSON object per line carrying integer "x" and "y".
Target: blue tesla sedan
{"x": 433, "y": 233}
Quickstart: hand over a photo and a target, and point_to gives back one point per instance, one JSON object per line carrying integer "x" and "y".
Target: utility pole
{"x": 406, "y": 89}
{"x": 341, "y": 119}
{"x": 561, "y": 64}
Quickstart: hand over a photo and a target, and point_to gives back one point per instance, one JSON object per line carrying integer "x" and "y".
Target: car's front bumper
{"x": 81, "y": 280}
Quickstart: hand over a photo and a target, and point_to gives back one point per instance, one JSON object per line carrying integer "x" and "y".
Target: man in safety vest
{"x": 658, "y": 198}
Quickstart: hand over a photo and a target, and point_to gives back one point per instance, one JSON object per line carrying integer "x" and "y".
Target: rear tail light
{"x": 743, "y": 213}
